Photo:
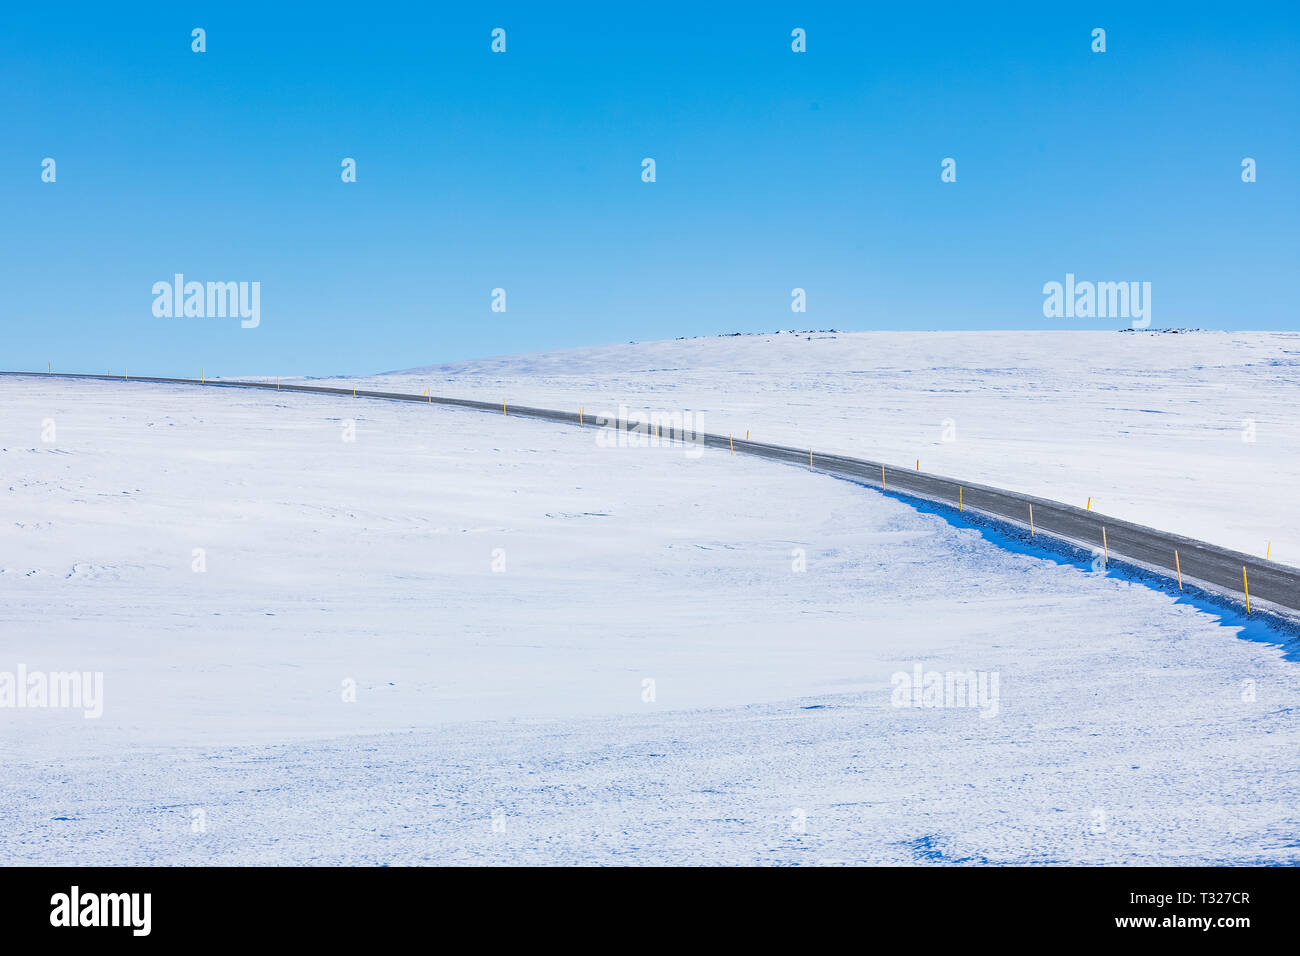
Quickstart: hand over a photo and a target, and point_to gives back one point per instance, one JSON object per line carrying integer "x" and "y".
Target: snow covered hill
{"x": 335, "y": 630}
{"x": 1191, "y": 432}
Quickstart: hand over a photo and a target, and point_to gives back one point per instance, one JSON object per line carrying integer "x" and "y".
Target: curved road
{"x": 1225, "y": 571}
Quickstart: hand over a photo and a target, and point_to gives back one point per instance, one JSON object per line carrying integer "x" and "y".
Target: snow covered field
{"x": 561, "y": 652}
{"x": 1149, "y": 425}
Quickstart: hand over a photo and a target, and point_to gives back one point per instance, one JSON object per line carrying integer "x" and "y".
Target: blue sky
{"x": 522, "y": 171}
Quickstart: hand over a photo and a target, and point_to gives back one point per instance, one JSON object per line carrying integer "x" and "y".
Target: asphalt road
{"x": 1118, "y": 541}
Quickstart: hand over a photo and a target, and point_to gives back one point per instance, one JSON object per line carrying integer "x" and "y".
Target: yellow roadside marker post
{"x": 1089, "y": 503}
{"x": 582, "y": 415}
{"x": 503, "y": 408}
{"x": 882, "y": 477}
{"x": 1179, "y": 566}
{"x": 51, "y": 365}
{"x": 918, "y": 464}
{"x": 1031, "y": 521}
{"x": 1268, "y": 553}
{"x": 1245, "y": 584}
{"x": 810, "y": 467}
{"x": 732, "y": 443}
{"x": 960, "y": 504}
{"x": 1105, "y": 546}
{"x": 746, "y": 434}
{"x": 203, "y": 376}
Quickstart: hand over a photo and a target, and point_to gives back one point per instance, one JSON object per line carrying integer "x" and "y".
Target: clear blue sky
{"x": 523, "y": 171}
